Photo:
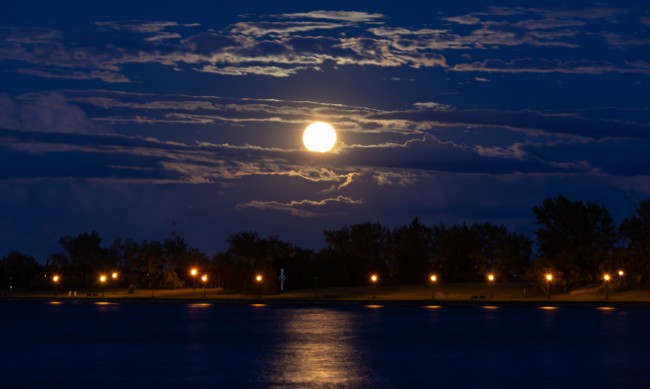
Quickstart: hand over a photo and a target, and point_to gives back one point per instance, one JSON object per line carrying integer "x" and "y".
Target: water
{"x": 241, "y": 345}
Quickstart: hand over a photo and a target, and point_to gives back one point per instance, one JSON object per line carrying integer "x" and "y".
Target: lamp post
{"x": 606, "y": 278}
{"x": 259, "y": 279}
{"x": 55, "y": 281}
{"x": 205, "y": 283}
{"x": 150, "y": 278}
{"x": 433, "y": 279}
{"x": 549, "y": 278}
{"x": 102, "y": 281}
{"x": 374, "y": 279}
{"x": 194, "y": 272}
{"x": 491, "y": 281}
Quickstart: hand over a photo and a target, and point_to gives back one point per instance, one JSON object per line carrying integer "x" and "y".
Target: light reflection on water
{"x": 239, "y": 345}
{"x": 316, "y": 351}
{"x": 199, "y": 305}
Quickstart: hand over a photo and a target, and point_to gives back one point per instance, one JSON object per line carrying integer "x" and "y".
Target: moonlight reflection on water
{"x": 242, "y": 345}
{"x": 319, "y": 349}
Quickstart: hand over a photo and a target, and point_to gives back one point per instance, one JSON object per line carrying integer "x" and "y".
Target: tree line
{"x": 576, "y": 241}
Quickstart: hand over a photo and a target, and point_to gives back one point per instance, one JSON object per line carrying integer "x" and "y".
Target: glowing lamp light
{"x": 204, "y": 278}
{"x": 606, "y": 277}
{"x": 194, "y": 272}
{"x": 114, "y": 275}
{"x": 549, "y": 277}
{"x": 259, "y": 278}
{"x": 434, "y": 278}
{"x": 102, "y": 278}
{"x": 55, "y": 279}
{"x": 374, "y": 278}
{"x": 621, "y": 273}
{"x": 491, "y": 277}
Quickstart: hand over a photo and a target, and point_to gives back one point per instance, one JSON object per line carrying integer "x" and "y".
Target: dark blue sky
{"x": 124, "y": 116}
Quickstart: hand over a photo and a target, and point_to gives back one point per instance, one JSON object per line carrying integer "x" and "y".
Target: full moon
{"x": 319, "y": 136}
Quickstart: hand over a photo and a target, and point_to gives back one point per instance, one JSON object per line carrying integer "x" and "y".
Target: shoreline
{"x": 315, "y": 302}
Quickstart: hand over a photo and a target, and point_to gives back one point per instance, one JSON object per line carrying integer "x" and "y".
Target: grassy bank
{"x": 449, "y": 293}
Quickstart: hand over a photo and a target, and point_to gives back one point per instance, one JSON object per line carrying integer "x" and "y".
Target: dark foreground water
{"x": 238, "y": 345}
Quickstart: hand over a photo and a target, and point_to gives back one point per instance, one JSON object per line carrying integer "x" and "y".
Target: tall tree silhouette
{"x": 574, "y": 237}
{"x": 636, "y": 232}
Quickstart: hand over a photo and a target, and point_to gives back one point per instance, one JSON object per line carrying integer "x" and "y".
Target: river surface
{"x": 96, "y": 345}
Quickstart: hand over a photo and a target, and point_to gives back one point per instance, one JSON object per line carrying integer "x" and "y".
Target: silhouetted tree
{"x": 364, "y": 248}
{"x": 455, "y": 250}
{"x": 500, "y": 251}
{"x": 469, "y": 253}
{"x": 250, "y": 256}
{"x": 410, "y": 251}
{"x": 575, "y": 237}
{"x": 19, "y": 270}
{"x": 635, "y": 230}
{"x": 85, "y": 257}
{"x": 330, "y": 269}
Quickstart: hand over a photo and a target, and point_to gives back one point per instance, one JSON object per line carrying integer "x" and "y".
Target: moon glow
{"x": 319, "y": 137}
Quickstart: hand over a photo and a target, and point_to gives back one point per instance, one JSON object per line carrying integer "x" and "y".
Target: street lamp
{"x": 259, "y": 278}
{"x": 55, "y": 280}
{"x": 205, "y": 283}
{"x": 433, "y": 279}
{"x": 114, "y": 275}
{"x": 194, "y": 272}
{"x": 374, "y": 279}
{"x": 491, "y": 281}
{"x": 606, "y": 278}
{"x": 549, "y": 278}
{"x": 102, "y": 281}
{"x": 621, "y": 273}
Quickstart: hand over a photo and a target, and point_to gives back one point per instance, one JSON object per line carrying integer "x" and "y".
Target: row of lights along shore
{"x": 103, "y": 278}
{"x": 491, "y": 279}
{"x": 204, "y": 278}
{"x": 374, "y": 278}
{"x": 193, "y": 272}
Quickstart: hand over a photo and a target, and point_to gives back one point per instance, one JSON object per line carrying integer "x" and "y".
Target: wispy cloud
{"x": 283, "y": 45}
{"x": 530, "y": 65}
{"x": 45, "y": 112}
{"x": 350, "y": 16}
{"x": 303, "y": 208}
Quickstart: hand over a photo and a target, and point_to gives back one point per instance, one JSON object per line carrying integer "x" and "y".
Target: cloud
{"x": 530, "y": 65}
{"x": 378, "y": 147}
{"x": 284, "y": 45}
{"x": 274, "y": 71}
{"x": 432, "y": 105}
{"x": 463, "y": 19}
{"x": 533, "y": 123}
{"x": 106, "y": 76}
{"x": 621, "y": 40}
{"x": 349, "y": 16}
{"x": 44, "y": 112}
{"x": 260, "y": 29}
{"x": 302, "y": 208}
{"x": 143, "y": 26}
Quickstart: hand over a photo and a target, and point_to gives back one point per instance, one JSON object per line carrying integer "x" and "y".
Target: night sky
{"x": 121, "y": 116}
